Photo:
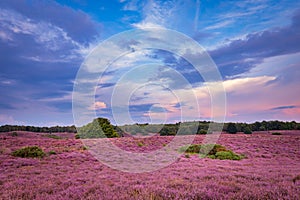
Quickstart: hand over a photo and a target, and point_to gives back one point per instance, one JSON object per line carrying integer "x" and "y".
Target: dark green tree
{"x": 231, "y": 128}
{"x": 98, "y": 128}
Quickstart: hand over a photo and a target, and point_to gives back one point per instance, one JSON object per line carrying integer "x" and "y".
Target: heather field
{"x": 270, "y": 169}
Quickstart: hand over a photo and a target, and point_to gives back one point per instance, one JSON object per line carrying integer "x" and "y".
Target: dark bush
{"x": 29, "y": 152}
{"x": 247, "y": 130}
{"x": 77, "y": 136}
{"x": 14, "y": 134}
{"x": 296, "y": 178}
{"x": 202, "y": 131}
{"x": 52, "y": 152}
{"x": 276, "y": 133}
{"x": 231, "y": 128}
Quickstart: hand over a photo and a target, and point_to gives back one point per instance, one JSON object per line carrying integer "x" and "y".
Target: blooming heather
{"x": 271, "y": 170}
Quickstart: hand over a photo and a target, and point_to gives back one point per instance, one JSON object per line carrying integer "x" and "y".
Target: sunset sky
{"x": 255, "y": 45}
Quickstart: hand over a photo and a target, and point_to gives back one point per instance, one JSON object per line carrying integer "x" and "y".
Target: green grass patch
{"x": 52, "y": 152}
{"x": 140, "y": 144}
{"x": 53, "y": 136}
{"x": 214, "y": 151}
{"x": 29, "y": 152}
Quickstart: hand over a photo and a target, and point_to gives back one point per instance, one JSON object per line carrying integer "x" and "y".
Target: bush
{"x": 231, "y": 128}
{"x": 227, "y": 155}
{"x": 29, "y": 152}
{"x": 296, "y": 178}
{"x": 209, "y": 149}
{"x": 276, "y": 133}
{"x": 52, "y": 152}
{"x": 247, "y": 130}
{"x": 77, "y": 136}
{"x": 53, "y": 136}
{"x": 214, "y": 151}
{"x": 14, "y": 134}
{"x": 140, "y": 144}
{"x": 187, "y": 155}
{"x": 202, "y": 131}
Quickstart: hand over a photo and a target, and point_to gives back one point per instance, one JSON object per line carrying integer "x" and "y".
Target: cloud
{"x": 219, "y": 25}
{"x": 157, "y": 14}
{"x": 196, "y": 18}
{"x": 241, "y": 55}
{"x": 97, "y": 105}
{"x": 58, "y": 15}
{"x": 41, "y": 50}
{"x": 132, "y": 5}
{"x": 6, "y": 119}
{"x": 283, "y": 107}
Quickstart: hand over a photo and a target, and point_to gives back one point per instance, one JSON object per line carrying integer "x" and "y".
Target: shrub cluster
{"x": 276, "y": 133}
{"x": 214, "y": 151}
{"x": 29, "y": 152}
{"x": 53, "y": 136}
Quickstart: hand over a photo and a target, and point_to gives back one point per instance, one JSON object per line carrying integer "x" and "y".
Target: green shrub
{"x": 227, "y": 155}
{"x": 53, "y": 136}
{"x": 247, "y": 130}
{"x": 52, "y": 152}
{"x": 14, "y": 134}
{"x": 276, "y": 133}
{"x": 84, "y": 148}
{"x": 29, "y": 152}
{"x": 202, "y": 131}
{"x": 140, "y": 144}
{"x": 77, "y": 136}
{"x": 214, "y": 151}
{"x": 209, "y": 149}
{"x": 231, "y": 128}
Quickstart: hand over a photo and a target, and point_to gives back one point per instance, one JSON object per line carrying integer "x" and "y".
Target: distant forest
{"x": 54, "y": 129}
{"x": 202, "y": 127}
{"x": 92, "y": 130}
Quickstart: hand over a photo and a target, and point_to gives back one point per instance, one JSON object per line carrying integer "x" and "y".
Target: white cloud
{"x": 145, "y": 25}
{"x": 196, "y": 18}
{"x": 219, "y": 25}
{"x": 5, "y": 36}
{"x": 6, "y": 119}
{"x": 157, "y": 14}
{"x": 131, "y": 5}
{"x": 98, "y": 105}
{"x": 44, "y": 33}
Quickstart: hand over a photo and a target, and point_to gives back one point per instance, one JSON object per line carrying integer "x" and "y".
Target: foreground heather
{"x": 270, "y": 171}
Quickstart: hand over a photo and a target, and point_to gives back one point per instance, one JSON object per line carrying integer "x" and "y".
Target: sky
{"x": 253, "y": 43}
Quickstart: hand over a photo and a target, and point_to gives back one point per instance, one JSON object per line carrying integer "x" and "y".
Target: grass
{"x": 140, "y": 144}
{"x": 52, "y": 152}
{"x": 53, "y": 136}
{"x": 226, "y": 155}
{"x": 29, "y": 152}
{"x": 214, "y": 151}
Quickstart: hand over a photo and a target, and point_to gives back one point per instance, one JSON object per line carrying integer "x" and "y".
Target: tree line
{"x": 202, "y": 127}
{"x": 101, "y": 127}
{"x": 53, "y": 129}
